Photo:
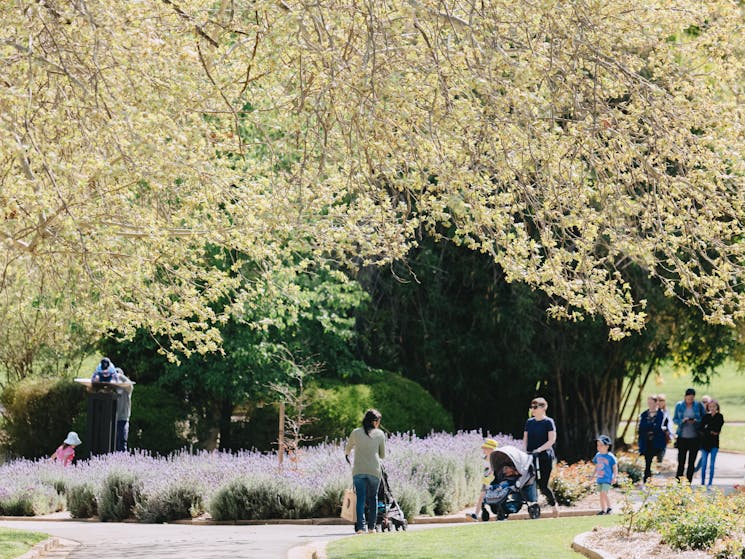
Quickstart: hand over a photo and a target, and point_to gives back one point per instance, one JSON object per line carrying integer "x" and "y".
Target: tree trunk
{"x": 586, "y": 406}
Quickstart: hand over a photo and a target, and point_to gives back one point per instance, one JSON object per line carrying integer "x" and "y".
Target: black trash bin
{"x": 102, "y": 419}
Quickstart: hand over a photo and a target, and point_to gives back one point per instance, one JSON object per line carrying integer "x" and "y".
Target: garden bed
{"x": 437, "y": 474}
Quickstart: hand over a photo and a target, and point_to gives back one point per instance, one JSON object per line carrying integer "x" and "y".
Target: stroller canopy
{"x": 513, "y": 456}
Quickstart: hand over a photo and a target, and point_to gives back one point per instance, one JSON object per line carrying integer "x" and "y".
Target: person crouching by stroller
{"x": 487, "y": 448}
{"x": 368, "y": 443}
{"x": 606, "y": 471}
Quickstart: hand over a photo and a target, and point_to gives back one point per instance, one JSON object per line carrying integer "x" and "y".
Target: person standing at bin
{"x": 368, "y": 443}
{"x": 123, "y": 409}
{"x": 539, "y": 438}
{"x": 688, "y": 416}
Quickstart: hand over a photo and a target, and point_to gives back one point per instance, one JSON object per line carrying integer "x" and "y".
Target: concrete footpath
{"x": 285, "y": 540}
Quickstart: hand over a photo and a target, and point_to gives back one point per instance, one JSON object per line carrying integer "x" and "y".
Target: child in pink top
{"x": 66, "y": 451}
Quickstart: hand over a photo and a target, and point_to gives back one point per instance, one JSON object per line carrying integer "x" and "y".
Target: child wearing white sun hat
{"x": 65, "y": 452}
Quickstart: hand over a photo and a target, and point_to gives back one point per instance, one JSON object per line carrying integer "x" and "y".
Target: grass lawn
{"x": 17, "y": 542}
{"x": 512, "y": 539}
{"x": 732, "y": 438}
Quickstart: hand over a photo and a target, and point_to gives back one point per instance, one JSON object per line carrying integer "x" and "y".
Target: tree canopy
{"x": 567, "y": 140}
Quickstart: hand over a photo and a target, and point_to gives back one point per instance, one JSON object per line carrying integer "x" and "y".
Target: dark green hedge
{"x": 157, "y": 420}
{"x": 38, "y": 415}
{"x": 338, "y": 407}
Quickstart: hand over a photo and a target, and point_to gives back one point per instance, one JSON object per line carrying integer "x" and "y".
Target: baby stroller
{"x": 514, "y": 475}
{"x": 389, "y": 512}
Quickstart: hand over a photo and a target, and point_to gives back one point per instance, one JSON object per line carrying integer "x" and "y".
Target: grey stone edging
{"x": 43, "y": 546}
{"x": 580, "y": 546}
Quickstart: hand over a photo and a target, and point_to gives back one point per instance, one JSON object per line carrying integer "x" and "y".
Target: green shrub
{"x": 413, "y": 501}
{"x": 694, "y": 530}
{"x": 178, "y": 502}
{"x": 631, "y": 467}
{"x": 450, "y": 482}
{"x": 119, "y": 495}
{"x": 20, "y": 505}
{"x": 447, "y": 481}
{"x": 59, "y": 486}
{"x": 257, "y": 499}
{"x": 338, "y": 406}
{"x": 328, "y": 502}
{"x": 81, "y": 501}
{"x": 686, "y": 519}
{"x": 38, "y": 415}
{"x": 35, "y": 501}
{"x": 728, "y": 548}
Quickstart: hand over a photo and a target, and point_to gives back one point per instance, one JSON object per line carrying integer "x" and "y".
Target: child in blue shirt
{"x": 606, "y": 471}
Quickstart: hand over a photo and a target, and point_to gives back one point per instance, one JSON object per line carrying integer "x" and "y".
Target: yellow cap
{"x": 490, "y": 443}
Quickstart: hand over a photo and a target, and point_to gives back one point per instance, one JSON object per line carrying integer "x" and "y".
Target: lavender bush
{"x": 118, "y": 497}
{"x": 436, "y": 474}
{"x": 177, "y": 502}
{"x": 81, "y": 501}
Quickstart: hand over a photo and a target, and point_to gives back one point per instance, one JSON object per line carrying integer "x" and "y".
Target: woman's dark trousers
{"x": 687, "y": 449}
{"x": 545, "y": 465}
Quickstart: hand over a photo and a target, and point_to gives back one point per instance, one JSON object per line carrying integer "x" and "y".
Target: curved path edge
{"x": 51, "y": 547}
{"x": 580, "y": 545}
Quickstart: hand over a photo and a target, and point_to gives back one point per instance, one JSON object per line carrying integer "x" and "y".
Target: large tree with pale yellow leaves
{"x": 565, "y": 139}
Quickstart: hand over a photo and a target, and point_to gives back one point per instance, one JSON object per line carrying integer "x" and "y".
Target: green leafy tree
{"x": 309, "y": 316}
{"x": 564, "y": 139}
{"x": 484, "y": 347}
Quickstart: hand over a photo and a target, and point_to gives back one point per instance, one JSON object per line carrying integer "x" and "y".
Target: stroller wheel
{"x": 534, "y": 511}
{"x": 404, "y": 525}
{"x": 485, "y": 515}
{"x": 501, "y": 514}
